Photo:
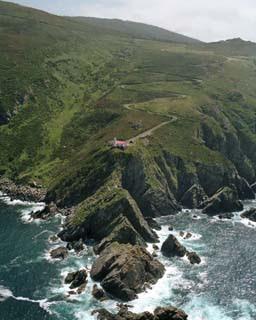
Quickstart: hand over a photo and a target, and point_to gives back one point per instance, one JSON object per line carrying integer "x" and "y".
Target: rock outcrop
{"x": 225, "y": 200}
{"x": 250, "y": 214}
{"x": 76, "y": 279}
{"x": 172, "y": 248}
{"x": 166, "y": 313}
{"x": 194, "y": 197}
{"x": 59, "y": 253}
{"x": 111, "y": 215}
{"x": 24, "y": 193}
{"x": 49, "y": 211}
{"x": 124, "y": 270}
{"x": 98, "y": 293}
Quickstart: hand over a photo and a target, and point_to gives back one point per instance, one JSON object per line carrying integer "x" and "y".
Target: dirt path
{"x": 149, "y": 131}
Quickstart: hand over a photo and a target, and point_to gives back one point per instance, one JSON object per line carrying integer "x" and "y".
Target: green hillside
{"x": 69, "y": 85}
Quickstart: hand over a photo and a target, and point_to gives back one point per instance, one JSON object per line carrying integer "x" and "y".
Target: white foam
{"x": 5, "y": 293}
{"x": 199, "y": 308}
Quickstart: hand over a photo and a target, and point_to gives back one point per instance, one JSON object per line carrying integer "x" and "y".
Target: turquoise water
{"x": 223, "y": 287}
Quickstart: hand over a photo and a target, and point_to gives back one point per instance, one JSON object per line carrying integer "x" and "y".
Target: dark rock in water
{"x": 59, "y": 253}
{"x": 78, "y": 246}
{"x": 49, "y": 211}
{"x": 153, "y": 224}
{"x": 193, "y": 197}
{"x": 167, "y": 313}
{"x": 250, "y": 214}
{"x": 253, "y": 186}
{"x": 76, "y": 279}
{"x": 172, "y": 248}
{"x": 188, "y": 235}
{"x": 193, "y": 257}
{"x": 227, "y": 215}
{"x": 170, "y": 228}
{"x": 225, "y": 200}
{"x": 98, "y": 293}
{"x": 182, "y": 234}
{"x": 155, "y": 247}
{"x": 124, "y": 269}
{"x": 154, "y": 254}
{"x": 54, "y": 238}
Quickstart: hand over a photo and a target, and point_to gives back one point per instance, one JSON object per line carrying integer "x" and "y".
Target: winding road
{"x": 149, "y": 131}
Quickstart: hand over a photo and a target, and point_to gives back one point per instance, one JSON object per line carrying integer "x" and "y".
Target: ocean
{"x": 222, "y": 287}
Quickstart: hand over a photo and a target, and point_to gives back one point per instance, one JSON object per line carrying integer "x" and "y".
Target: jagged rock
{"x": 54, "y": 238}
{"x": 155, "y": 247}
{"x": 227, "y": 215}
{"x": 98, "y": 293}
{"x": 193, "y": 257}
{"x": 22, "y": 192}
{"x": 171, "y": 247}
{"x": 188, "y": 235}
{"x": 76, "y": 279}
{"x": 193, "y": 197}
{"x": 154, "y": 254}
{"x": 49, "y": 211}
{"x": 182, "y": 234}
{"x": 153, "y": 224}
{"x": 78, "y": 246}
{"x": 122, "y": 232}
{"x": 106, "y": 212}
{"x": 250, "y": 214}
{"x": 59, "y": 253}
{"x": 167, "y": 313}
{"x": 124, "y": 269}
{"x": 225, "y": 200}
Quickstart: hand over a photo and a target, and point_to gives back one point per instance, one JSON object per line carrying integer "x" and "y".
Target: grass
{"x": 65, "y": 82}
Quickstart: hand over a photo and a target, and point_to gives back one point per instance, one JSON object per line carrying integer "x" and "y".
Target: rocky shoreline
{"x": 31, "y": 193}
{"x": 120, "y": 232}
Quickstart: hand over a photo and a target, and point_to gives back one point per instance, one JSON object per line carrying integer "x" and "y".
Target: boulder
{"x": 124, "y": 269}
{"x": 78, "y": 246}
{"x": 59, "y": 253}
{"x": 172, "y": 248}
{"x": 188, "y": 235}
{"x": 98, "y": 293}
{"x": 250, "y": 214}
{"x": 193, "y": 257}
{"x": 193, "y": 197}
{"x": 76, "y": 279}
{"x": 227, "y": 215}
{"x": 170, "y": 228}
{"x": 225, "y": 200}
{"x": 166, "y": 313}
{"x": 49, "y": 211}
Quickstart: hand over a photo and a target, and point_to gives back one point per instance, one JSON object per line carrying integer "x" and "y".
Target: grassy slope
{"x": 67, "y": 83}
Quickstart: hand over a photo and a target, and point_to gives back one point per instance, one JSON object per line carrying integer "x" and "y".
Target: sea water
{"x": 222, "y": 287}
